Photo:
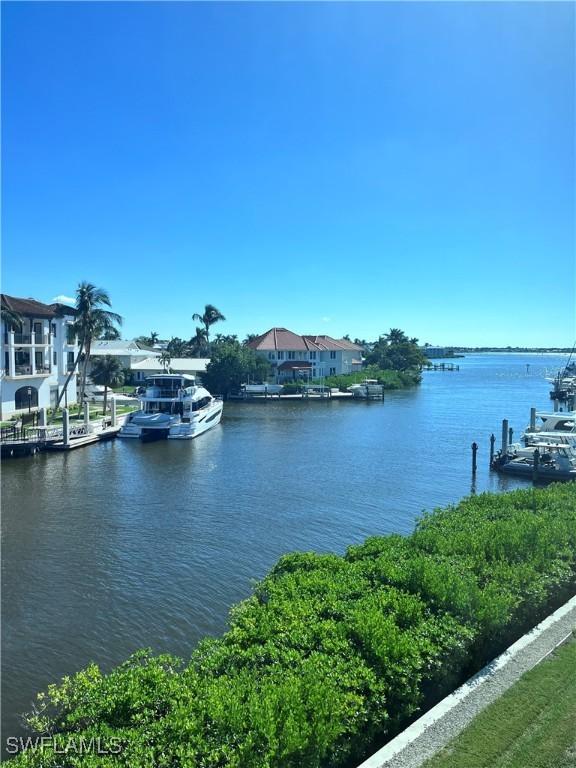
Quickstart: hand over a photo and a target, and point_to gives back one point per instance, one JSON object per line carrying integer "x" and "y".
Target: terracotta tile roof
{"x": 285, "y": 340}
{"x": 27, "y": 306}
{"x": 328, "y": 343}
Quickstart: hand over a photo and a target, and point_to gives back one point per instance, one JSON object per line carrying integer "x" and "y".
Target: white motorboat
{"x": 173, "y": 407}
{"x": 546, "y": 461}
{"x": 558, "y": 427}
{"x": 369, "y": 389}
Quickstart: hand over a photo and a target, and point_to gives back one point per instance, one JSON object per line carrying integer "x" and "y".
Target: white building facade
{"x": 292, "y": 356}
{"x": 36, "y": 357}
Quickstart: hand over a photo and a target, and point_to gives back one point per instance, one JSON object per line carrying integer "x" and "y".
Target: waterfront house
{"x": 36, "y": 357}
{"x": 292, "y": 356}
{"x": 128, "y": 353}
{"x": 193, "y": 366}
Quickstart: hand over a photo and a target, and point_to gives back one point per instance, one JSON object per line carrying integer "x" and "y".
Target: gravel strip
{"x": 438, "y": 726}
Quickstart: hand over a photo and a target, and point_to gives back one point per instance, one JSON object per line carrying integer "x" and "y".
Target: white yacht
{"x": 558, "y": 427}
{"x": 173, "y": 407}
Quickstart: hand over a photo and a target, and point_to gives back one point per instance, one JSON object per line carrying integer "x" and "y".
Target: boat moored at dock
{"x": 557, "y": 427}
{"x": 545, "y": 462}
{"x": 173, "y": 407}
{"x": 369, "y": 389}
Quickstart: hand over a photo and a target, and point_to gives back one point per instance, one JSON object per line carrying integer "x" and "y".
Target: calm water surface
{"x": 122, "y": 545}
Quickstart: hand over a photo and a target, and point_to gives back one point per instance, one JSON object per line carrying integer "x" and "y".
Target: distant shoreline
{"x": 520, "y": 350}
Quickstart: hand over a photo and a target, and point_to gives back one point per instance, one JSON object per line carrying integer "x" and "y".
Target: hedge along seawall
{"x": 330, "y": 656}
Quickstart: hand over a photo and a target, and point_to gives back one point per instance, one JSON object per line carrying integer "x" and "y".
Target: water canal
{"x": 122, "y": 545}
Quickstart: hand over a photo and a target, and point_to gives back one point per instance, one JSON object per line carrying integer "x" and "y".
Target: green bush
{"x": 331, "y": 655}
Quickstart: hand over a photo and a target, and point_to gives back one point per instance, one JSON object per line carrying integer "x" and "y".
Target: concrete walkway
{"x": 431, "y": 732}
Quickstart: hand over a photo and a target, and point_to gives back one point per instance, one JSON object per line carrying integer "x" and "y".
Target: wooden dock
{"x": 19, "y": 440}
{"x": 79, "y": 442}
{"x": 441, "y": 367}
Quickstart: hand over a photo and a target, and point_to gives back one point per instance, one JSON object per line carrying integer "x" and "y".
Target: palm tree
{"x": 164, "y": 360}
{"x": 92, "y": 320}
{"x": 108, "y": 372}
{"x": 178, "y": 347}
{"x": 12, "y": 320}
{"x": 111, "y": 334}
{"x": 396, "y": 336}
{"x": 211, "y": 315}
{"x": 199, "y": 341}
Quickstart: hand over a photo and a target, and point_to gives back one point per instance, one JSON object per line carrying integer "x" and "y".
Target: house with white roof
{"x": 36, "y": 356}
{"x": 128, "y": 353}
{"x": 194, "y": 366}
{"x": 292, "y": 356}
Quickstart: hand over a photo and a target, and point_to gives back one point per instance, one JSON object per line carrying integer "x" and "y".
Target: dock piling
{"x": 113, "y": 412}
{"x": 492, "y": 442}
{"x": 510, "y": 435}
{"x": 42, "y": 417}
{"x": 504, "y": 437}
{"x": 86, "y": 413}
{"x": 536, "y": 464}
{"x": 474, "y": 452}
{"x": 65, "y": 427}
{"x": 532, "y": 419}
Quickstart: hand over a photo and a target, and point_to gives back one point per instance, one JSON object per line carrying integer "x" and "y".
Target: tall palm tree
{"x": 164, "y": 360}
{"x": 12, "y": 320}
{"x": 92, "y": 320}
{"x": 108, "y": 372}
{"x": 211, "y": 315}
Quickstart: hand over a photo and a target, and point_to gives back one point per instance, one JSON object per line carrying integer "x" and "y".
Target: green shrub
{"x": 331, "y": 655}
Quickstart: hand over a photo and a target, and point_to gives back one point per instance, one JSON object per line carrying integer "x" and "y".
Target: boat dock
{"x": 441, "y": 367}
{"x": 20, "y": 441}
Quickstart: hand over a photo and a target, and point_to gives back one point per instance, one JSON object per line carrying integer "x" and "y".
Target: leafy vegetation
{"x": 231, "y": 365}
{"x": 395, "y": 351}
{"x": 331, "y": 655}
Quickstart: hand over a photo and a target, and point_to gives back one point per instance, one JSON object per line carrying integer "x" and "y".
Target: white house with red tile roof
{"x": 292, "y": 356}
{"x": 37, "y": 355}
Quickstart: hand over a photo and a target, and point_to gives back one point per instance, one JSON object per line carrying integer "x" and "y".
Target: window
{"x": 55, "y": 358}
{"x": 70, "y": 361}
{"x": 70, "y": 337}
{"x": 270, "y": 355}
{"x": 280, "y": 355}
{"x": 332, "y": 372}
{"x": 312, "y": 355}
{"x": 291, "y": 355}
{"x": 332, "y": 355}
{"x": 54, "y": 330}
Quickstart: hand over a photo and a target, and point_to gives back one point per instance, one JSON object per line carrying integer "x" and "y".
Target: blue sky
{"x": 328, "y": 167}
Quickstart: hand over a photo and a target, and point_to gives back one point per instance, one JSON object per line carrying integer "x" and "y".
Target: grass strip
{"x": 532, "y": 725}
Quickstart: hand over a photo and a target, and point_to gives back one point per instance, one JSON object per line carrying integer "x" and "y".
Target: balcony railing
{"x": 31, "y": 338}
{"x": 26, "y": 370}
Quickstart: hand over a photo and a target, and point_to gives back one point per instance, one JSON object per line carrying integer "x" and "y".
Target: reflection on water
{"x": 122, "y": 545}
